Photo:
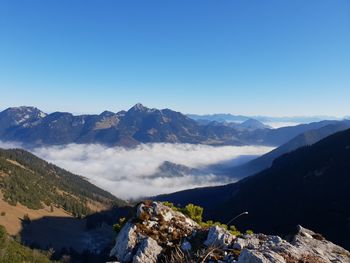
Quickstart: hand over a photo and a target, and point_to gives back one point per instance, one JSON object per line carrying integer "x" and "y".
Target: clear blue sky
{"x": 271, "y": 57}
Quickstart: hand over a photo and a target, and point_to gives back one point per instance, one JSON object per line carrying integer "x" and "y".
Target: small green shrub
{"x": 207, "y": 224}
{"x": 210, "y": 223}
{"x": 249, "y": 232}
{"x": 171, "y": 205}
{"x": 117, "y": 227}
{"x": 233, "y": 230}
{"x": 192, "y": 211}
{"x": 196, "y": 214}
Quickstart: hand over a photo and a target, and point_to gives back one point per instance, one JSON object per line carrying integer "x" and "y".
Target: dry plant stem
{"x": 208, "y": 254}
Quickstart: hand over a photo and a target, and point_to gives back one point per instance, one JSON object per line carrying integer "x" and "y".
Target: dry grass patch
{"x": 12, "y": 220}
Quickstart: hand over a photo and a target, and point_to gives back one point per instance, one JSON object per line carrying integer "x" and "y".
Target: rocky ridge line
{"x": 157, "y": 233}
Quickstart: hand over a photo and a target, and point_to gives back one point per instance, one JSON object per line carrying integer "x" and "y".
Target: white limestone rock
{"x": 147, "y": 252}
{"x": 306, "y": 246}
{"x": 249, "y": 256}
{"x": 219, "y": 237}
{"x": 125, "y": 243}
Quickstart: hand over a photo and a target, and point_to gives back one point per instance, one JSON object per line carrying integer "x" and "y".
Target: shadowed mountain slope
{"x": 35, "y": 183}
{"x": 309, "y": 186}
{"x": 307, "y": 138}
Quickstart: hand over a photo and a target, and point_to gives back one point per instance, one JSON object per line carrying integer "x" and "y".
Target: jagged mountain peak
{"x": 138, "y": 107}
{"x": 25, "y": 110}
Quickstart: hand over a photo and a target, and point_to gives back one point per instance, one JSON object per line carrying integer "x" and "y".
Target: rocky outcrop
{"x": 155, "y": 228}
{"x": 305, "y": 247}
{"x": 157, "y": 233}
{"x": 219, "y": 237}
{"x": 125, "y": 243}
{"x": 147, "y": 251}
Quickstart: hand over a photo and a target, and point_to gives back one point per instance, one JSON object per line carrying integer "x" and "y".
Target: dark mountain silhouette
{"x": 308, "y": 186}
{"x": 307, "y": 138}
{"x": 277, "y": 137}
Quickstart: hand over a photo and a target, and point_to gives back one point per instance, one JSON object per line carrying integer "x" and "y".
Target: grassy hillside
{"x": 11, "y": 251}
{"x": 26, "y": 179}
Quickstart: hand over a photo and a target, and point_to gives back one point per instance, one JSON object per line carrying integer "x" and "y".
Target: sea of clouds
{"x": 128, "y": 172}
{"x": 276, "y": 125}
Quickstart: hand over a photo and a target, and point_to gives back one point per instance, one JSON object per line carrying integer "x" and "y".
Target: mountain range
{"x": 226, "y": 117}
{"x": 303, "y": 181}
{"x": 307, "y": 186}
{"x": 139, "y": 124}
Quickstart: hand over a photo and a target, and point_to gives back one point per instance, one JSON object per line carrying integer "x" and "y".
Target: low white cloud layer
{"x": 8, "y": 145}
{"x": 276, "y": 125}
{"x": 128, "y": 173}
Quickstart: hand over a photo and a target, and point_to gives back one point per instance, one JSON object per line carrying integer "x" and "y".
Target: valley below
{"x": 149, "y": 169}
{"x": 174, "y": 131}
{"x": 65, "y": 183}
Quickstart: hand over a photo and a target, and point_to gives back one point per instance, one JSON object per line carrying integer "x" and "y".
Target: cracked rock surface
{"x": 157, "y": 233}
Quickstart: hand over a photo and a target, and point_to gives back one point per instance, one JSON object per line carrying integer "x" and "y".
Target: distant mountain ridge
{"x": 253, "y": 124}
{"x": 127, "y": 128}
{"x": 227, "y": 117}
{"x": 139, "y": 124}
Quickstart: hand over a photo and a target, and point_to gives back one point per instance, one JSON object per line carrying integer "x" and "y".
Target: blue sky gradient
{"x": 272, "y": 57}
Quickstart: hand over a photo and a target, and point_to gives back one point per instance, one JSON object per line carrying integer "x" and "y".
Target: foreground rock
{"x": 157, "y": 233}
{"x": 306, "y": 246}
